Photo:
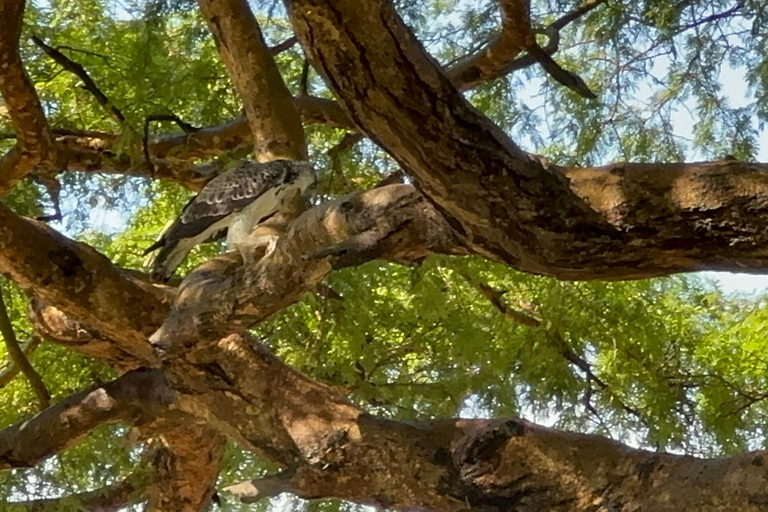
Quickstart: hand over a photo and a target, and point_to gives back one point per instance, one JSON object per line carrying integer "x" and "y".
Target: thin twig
{"x": 17, "y": 356}
{"x": 53, "y": 187}
{"x": 285, "y": 45}
{"x": 82, "y": 74}
{"x": 346, "y": 143}
{"x": 575, "y": 14}
{"x": 11, "y": 370}
{"x": 494, "y": 297}
{"x": 579, "y": 362}
{"x": 185, "y": 127}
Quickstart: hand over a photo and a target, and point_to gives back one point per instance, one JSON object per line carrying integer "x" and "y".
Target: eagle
{"x": 236, "y": 201}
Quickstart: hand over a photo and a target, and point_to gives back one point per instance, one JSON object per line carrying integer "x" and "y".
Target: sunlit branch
{"x": 185, "y": 469}
{"x": 274, "y": 121}
{"x": 495, "y": 298}
{"x": 81, "y": 282}
{"x": 140, "y": 395}
{"x": 253, "y": 491}
{"x": 186, "y": 128}
{"x": 500, "y": 57}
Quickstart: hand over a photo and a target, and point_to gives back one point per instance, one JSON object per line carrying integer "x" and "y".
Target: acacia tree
{"x": 403, "y": 301}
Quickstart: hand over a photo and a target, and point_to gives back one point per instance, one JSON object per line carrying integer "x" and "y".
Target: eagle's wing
{"x": 211, "y": 211}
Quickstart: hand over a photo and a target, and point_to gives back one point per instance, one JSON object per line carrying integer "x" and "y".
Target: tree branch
{"x": 54, "y": 325}
{"x": 140, "y": 396}
{"x": 621, "y": 221}
{"x": 272, "y": 116}
{"x": 283, "y": 46}
{"x": 34, "y": 147}
{"x": 186, "y": 127}
{"x": 81, "y": 282}
{"x": 79, "y": 71}
{"x": 11, "y": 370}
{"x": 498, "y": 58}
{"x": 494, "y": 297}
{"x": 112, "y": 498}
{"x": 518, "y": 317}
{"x": 332, "y": 449}
{"x": 393, "y": 223}
{"x": 186, "y": 469}
{"x": 480, "y": 67}
{"x": 20, "y": 359}
{"x": 238, "y": 388}
{"x": 253, "y": 491}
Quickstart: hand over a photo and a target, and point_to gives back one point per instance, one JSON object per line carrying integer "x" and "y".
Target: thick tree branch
{"x": 172, "y": 156}
{"x": 20, "y": 359}
{"x": 247, "y": 394}
{"x": 185, "y": 466}
{"x": 618, "y": 222}
{"x": 396, "y": 92}
{"x": 81, "y": 282}
{"x": 393, "y": 223}
{"x": 54, "y": 325}
{"x": 186, "y": 469}
{"x": 34, "y": 147}
{"x": 108, "y": 499}
{"x": 316, "y": 110}
{"x": 14, "y": 165}
{"x": 272, "y": 116}
{"x": 332, "y": 449}
{"x": 140, "y": 396}
{"x": 236, "y": 134}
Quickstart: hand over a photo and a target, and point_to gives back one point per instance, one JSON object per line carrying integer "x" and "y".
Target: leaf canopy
{"x": 670, "y": 363}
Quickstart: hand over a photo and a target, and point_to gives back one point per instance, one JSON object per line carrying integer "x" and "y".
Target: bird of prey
{"x": 236, "y": 201}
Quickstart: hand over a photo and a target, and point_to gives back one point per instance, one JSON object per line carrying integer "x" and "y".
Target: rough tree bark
{"x": 236, "y": 387}
{"x": 273, "y": 118}
{"x": 34, "y": 147}
{"x": 535, "y": 216}
{"x": 481, "y": 194}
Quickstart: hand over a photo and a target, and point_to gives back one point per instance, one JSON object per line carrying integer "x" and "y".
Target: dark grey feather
{"x": 224, "y": 195}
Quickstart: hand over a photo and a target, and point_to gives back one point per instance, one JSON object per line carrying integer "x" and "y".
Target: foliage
{"x": 671, "y": 363}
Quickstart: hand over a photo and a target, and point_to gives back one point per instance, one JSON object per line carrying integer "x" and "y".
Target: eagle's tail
{"x": 173, "y": 250}
{"x": 170, "y": 256}
{"x": 158, "y": 244}
{"x": 159, "y": 270}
